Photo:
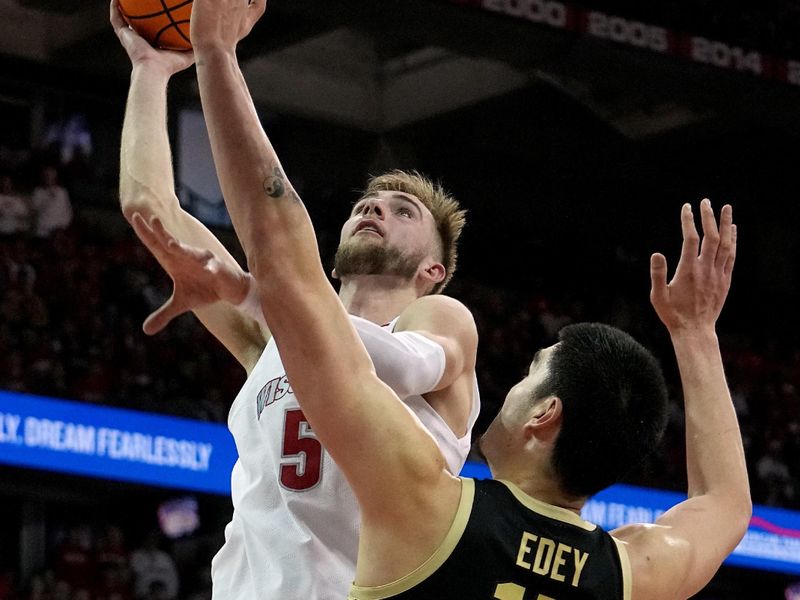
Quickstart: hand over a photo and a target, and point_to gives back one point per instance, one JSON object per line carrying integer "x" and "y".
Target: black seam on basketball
{"x": 180, "y": 31}
{"x": 174, "y": 23}
{"x": 163, "y": 30}
{"x": 161, "y": 12}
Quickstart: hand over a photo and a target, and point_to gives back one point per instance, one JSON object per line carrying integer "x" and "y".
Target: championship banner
{"x": 637, "y": 34}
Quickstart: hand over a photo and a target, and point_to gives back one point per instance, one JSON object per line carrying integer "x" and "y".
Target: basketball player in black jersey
{"x": 589, "y": 408}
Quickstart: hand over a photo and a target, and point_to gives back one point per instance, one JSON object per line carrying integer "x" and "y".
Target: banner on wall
{"x": 113, "y": 443}
{"x": 634, "y": 33}
{"x": 183, "y": 454}
{"x": 772, "y": 542}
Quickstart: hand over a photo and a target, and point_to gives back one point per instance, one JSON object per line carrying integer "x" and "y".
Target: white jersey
{"x": 294, "y": 532}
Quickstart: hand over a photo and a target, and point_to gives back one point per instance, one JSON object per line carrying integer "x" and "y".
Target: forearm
{"x": 406, "y": 361}
{"x": 271, "y": 223}
{"x": 714, "y": 452}
{"x": 146, "y": 177}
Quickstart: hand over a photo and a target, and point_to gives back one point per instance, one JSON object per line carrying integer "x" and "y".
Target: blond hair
{"x": 447, "y": 214}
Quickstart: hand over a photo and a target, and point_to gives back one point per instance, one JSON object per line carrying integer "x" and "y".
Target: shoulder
{"x": 440, "y": 313}
{"x": 655, "y": 556}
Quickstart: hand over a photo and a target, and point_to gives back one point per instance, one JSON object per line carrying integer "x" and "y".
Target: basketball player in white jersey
{"x": 590, "y": 406}
{"x": 295, "y": 524}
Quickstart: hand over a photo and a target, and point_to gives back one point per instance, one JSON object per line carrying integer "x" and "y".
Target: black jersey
{"x": 505, "y": 545}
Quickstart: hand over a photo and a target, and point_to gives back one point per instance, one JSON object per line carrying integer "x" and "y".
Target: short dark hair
{"x": 614, "y": 402}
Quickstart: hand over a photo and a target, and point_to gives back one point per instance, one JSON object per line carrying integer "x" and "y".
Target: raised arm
{"x": 147, "y": 188}
{"x": 378, "y": 444}
{"x": 679, "y": 555}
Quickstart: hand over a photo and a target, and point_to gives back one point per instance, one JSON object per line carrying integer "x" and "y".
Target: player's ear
{"x": 334, "y": 274}
{"x": 545, "y": 419}
{"x": 435, "y": 273}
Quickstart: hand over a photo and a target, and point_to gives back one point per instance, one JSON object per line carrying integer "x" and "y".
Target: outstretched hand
{"x": 222, "y": 24}
{"x": 141, "y": 52}
{"x": 199, "y": 277}
{"x": 694, "y": 298}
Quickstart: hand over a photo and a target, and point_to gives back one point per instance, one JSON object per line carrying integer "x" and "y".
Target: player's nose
{"x": 374, "y": 208}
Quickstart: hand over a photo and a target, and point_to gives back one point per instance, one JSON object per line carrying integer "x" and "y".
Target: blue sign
{"x": 112, "y": 443}
{"x": 772, "y": 542}
{"x": 125, "y": 445}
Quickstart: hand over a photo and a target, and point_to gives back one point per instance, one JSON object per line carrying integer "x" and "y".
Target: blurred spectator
{"x": 112, "y": 583}
{"x": 15, "y": 210}
{"x": 51, "y": 204}
{"x": 774, "y": 474}
{"x": 74, "y": 563}
{"x": 152, "y": 566}
{"x": 157, "y": 591}
{"x": 8, "y": 584}
{"x": 110, "y": 549}
{"x": 16, "y": 268}
{"x": 68, "y": 138}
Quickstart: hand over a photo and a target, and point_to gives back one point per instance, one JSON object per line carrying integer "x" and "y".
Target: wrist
{"x": 152, "y": 70}
{"x": 688, "y": 334}
{"x": 211, "y": 52}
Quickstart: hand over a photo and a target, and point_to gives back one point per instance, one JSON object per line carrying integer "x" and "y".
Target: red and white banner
{"x": 644, "y": 36}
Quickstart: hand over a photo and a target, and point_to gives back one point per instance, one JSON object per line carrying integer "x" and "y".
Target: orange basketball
{"x": 163, "y": 23}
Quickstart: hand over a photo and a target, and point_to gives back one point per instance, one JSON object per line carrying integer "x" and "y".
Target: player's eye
{"x": 404, "y": 211}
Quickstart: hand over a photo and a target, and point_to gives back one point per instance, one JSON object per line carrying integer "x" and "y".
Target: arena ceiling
{"x": 381, "y": 64}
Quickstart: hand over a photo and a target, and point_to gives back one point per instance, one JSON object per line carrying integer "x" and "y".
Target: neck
{"x": 538, "y": 481}
{"x": 377, "y": 298}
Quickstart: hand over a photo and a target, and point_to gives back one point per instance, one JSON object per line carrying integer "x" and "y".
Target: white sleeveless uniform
{"x": 294, "y": 532}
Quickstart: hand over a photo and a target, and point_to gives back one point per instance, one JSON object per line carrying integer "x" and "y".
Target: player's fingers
{"x": 731, "y": 260}
{"x": 710, "y": 245}
{"x": 115, "y": 17}
{"x": 658, "y": 278}
{"x": 164, "y": 236}
{"x": 691, "y": 239}
{"x": 725, "y": 237}
{"x": 199, "y": 255}
{"x": 162, "y": 316}
{"x": 145, "y": 233}
{"x": 258, "y": 7}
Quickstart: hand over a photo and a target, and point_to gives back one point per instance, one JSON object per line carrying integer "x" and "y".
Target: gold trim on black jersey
{"x": 548, "y": 510}
{"x": 437, "y": 559}
{"x": 627, "y": 574}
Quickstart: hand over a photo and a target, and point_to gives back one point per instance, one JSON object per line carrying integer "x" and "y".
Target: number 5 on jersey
{"x": 300, "y": 444}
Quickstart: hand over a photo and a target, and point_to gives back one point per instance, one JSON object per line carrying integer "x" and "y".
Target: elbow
{"x": 746, "y": 514}
{"x": 741, "y": 511}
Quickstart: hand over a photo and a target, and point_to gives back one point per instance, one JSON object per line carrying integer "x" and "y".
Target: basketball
{"x": 163, "y": 23}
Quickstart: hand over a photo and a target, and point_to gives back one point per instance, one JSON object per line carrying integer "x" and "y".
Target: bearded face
{"x": 356, "y": 258}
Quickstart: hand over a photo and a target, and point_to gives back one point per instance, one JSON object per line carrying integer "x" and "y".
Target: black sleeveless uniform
{"x": 505, "y": 545}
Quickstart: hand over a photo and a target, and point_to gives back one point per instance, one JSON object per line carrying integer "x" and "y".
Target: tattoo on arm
{"x": 275, "y": 184}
